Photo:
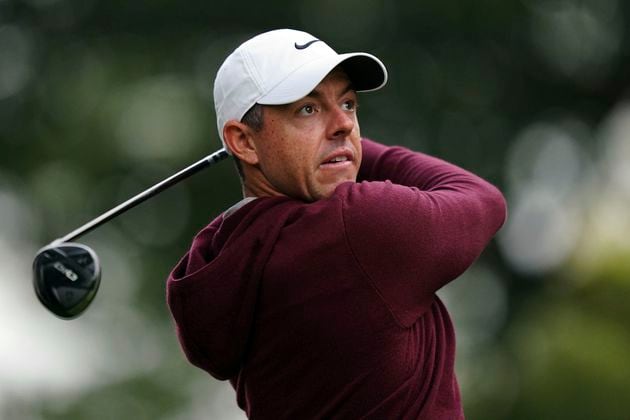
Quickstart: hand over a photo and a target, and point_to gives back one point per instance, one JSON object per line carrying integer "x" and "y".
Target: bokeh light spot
{"x": 158, "y": 118}
{"x": 16, "y": 67}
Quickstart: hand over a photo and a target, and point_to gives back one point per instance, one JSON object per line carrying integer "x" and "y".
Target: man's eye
{"x": 349, "y": 105}
{"x": 307, "y": 110}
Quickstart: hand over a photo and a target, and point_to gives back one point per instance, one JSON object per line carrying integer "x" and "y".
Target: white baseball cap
{"x": 282, "y": 66}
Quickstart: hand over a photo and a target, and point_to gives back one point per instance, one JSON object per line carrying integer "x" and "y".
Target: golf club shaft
{"x": 145, "y": 195}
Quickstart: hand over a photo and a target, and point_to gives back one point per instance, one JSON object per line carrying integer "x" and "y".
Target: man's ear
{"x": 238, "y": 139}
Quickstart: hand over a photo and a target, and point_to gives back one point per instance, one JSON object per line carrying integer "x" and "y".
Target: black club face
{"x": 66, "y": 275}
{"x": 66, "y": 278}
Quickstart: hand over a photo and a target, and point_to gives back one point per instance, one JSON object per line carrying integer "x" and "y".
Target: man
{"x": 315, "y": 295}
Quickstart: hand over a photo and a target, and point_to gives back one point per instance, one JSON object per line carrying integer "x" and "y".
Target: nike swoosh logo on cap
{"x": 305, "y": 46}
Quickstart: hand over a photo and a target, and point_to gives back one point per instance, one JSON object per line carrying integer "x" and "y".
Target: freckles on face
{"x": 285, "y": 156}
{"x": 307, "y": 148}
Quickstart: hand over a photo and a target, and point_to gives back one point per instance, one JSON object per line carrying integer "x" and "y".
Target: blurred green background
{"x": 101, "y": 99}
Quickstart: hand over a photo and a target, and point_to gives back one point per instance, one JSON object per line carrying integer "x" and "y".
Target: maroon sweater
{"x": 328, "y": 309}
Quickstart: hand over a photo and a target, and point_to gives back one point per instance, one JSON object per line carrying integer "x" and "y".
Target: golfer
{"x": 315, "y": 295}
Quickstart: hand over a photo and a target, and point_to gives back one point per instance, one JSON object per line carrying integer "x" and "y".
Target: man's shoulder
{"x": 349, "y": 196}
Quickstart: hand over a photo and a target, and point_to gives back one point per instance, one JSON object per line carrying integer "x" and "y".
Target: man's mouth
{"x": 339, "y": 158}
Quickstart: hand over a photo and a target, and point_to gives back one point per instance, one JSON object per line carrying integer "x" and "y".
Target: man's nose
{"x": 341, "y": 123}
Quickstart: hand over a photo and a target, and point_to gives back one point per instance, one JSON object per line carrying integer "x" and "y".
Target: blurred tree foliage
{"x": 100, "y": 99}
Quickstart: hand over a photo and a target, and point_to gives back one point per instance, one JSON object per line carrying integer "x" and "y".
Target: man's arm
{"x": 417, "y": 222}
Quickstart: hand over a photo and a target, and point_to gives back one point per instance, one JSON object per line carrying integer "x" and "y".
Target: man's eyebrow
{"x": 316, "y": 94}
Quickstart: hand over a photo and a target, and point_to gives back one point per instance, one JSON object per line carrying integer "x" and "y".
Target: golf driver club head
{"x": 66, "y": 277}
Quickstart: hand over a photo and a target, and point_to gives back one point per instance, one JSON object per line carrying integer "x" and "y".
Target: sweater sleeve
{"x": 415, "y": 222}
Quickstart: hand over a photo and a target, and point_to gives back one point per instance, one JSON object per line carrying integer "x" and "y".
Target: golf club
{"x": 66, "y": 275}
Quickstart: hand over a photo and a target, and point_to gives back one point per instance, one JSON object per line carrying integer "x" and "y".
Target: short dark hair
{"x": 253, "y": 118}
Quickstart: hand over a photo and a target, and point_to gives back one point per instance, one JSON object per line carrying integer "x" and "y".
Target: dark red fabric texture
{"x": 328, "y": 309}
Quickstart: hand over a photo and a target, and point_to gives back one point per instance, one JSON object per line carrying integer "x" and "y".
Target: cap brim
{"x": 366, "y": 72}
